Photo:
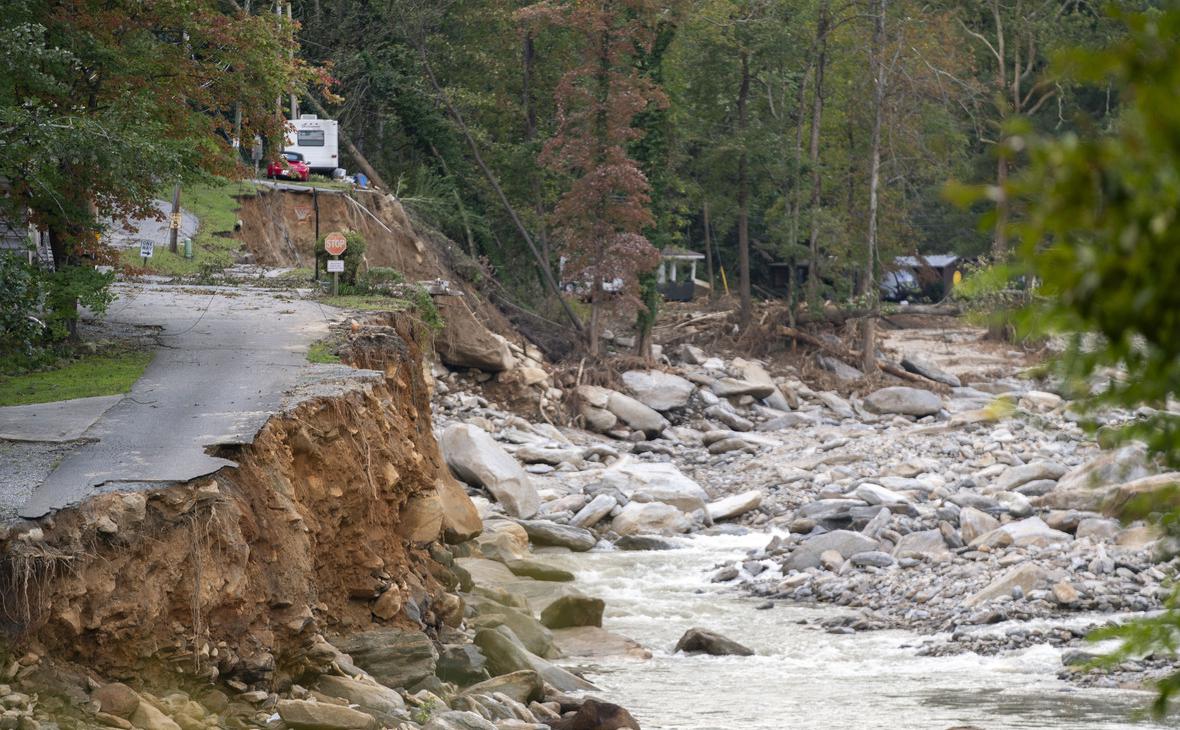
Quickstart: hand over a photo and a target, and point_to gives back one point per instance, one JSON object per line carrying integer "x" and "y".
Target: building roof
{"x": 936, "y": 261}
{"x": 672, "y": 252}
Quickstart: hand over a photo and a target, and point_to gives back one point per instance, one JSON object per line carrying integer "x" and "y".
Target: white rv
{"x": 317, "y": 140}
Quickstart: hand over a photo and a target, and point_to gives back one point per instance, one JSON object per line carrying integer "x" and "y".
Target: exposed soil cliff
{"x": 321, "y": 528}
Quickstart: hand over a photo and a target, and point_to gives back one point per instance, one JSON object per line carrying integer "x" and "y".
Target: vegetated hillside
{"x": 279, "y": 229}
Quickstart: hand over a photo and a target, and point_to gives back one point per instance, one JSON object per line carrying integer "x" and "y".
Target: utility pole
{"x": 174, "y": 221}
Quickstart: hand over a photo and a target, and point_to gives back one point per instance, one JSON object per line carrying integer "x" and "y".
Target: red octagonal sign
{"x": 335, "y": 244}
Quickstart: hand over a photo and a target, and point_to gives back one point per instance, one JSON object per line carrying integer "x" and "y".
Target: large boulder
{"x": 569, "y": 611}
{"x": 381, "y": 702}
{"x": 650, "y": 518}
{"x": 904, "y": 401}
{"x": 703, "y": 641}
{"x": 595, "y": 641}
{"x": 394, "y": 657}
{"x": 1031, "y": 531}
{"x": 733, "y": 387}
{"x": 659, "y": 390}
{"x": 307, "y": 715}
{"x": 642, "y": 481}
{"x": 735, "y": 505}
{"x": 116, "y": 699}
{"x": 475, "y": 457}
{"x": 845, "y": 542}
{"x": 462, "y": 664}
{"x": 420, "y": 520}
{"x": 506, "y": 656}
{"x": 459, "y": 720}
{"x": 596, "y": 715}
{"x": 1088, "y": 486}
{"x": 465, "y": 343}
{"x": 544, "y": 532}
{"x": 635, "y": 414}
{"x": 535, "y": 636}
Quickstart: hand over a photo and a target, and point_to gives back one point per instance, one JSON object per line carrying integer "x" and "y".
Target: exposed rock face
{"x": 659, "y": 390}
{"x": 299, "y": 530}
{"x": 476, "y": 458}
{"x": 379, "y": 701}
{"x": 703, "y": 641}
{"x": 903, "y": 401}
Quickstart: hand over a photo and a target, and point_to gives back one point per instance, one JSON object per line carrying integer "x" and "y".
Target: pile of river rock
{"x": 939, "y": 508}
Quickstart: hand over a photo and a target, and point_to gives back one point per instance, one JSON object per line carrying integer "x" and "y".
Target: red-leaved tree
{"x": 601, "y": 218}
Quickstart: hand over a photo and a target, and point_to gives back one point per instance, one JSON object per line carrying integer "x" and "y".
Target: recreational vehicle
{"x": 317, "y": 140}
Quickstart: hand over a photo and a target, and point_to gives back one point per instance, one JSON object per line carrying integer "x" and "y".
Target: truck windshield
{"x": 311, "y": 138}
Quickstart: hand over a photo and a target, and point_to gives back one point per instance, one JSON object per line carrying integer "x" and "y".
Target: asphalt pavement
{"x": 129, "y": 233}
{"x": 227, "y": 356}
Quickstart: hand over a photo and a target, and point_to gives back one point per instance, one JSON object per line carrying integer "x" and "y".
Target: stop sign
{"x": 335, "y": 244}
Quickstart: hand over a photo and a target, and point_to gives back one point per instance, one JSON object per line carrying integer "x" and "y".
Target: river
{"x": 802, "y": 676}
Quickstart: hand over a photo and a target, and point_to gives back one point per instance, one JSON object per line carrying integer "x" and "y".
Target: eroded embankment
{"x": 320, "y": 530}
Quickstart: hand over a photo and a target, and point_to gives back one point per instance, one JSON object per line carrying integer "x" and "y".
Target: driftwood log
{"x": 851, "y": 357}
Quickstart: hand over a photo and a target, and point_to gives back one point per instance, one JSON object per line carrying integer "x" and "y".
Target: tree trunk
{"x": 743, "y": 197}
{"x": 709, "y": 253}
{"x": 869, "y": 345}
{"x": 817, "y": 110}
{"x": 795, "y": 186}
{"x": 1000, "y": 241}
{"x": 361, "y": 162}
{"x": 528, "y": 57}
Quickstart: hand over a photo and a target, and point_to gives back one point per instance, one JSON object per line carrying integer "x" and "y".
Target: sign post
{"x": 146, "y": 248}
{"x": 335, "y": 244}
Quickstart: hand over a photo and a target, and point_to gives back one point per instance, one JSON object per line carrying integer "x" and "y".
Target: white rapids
{"x": 802, "y": 676}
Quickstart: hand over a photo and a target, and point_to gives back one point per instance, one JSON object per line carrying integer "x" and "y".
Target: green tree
{"x": 1101, "y": 236}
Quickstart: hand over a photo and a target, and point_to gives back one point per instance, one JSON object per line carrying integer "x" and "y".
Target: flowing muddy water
{"x": 803, "y": 677}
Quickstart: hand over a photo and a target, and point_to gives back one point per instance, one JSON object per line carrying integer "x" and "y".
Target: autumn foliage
{"x": 602, "y": 216}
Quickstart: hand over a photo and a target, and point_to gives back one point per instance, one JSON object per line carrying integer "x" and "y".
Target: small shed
{"x": 675, "y": 264}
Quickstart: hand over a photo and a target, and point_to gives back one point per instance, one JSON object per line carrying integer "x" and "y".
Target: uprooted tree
{"x": 602, "y": 216}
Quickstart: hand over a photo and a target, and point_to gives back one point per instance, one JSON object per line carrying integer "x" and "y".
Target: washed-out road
{"x": 226, "y": 358}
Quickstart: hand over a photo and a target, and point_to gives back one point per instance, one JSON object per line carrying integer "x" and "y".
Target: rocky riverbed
{"x": 942, "y": 509}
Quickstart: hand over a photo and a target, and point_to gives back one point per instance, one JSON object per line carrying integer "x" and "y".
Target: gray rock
{"x": 785, "y": 422}
{"x": 1020, "y": 475}
{"x": 457, "y": 720}
{"x": 659, "y": 390}
{"x": 729, "y": 418}
{"x": 538, "y": 570}
{"x": 1026, "y": 576}
{"x": 927, "y": 370}
{"x": 506, "y": 656}
{"x": 635, "y": 414}
{"x": 735, "y": 505}
{"x": 1036, "y": 488}
{"x": 381, "y": 702}
{"x": 1029, "y": 531}
{"x": 874, "y": 558}
{"x": 307, "y": 715}
{"x": 648, "y": 518}
{"x": 531, "y": 632}
{"x": 643, "y": 542}
{"x": 463, "y": 664}
{"x": 875, "y": 494}
{"x": 395, "y": 657}
{"x": 927, "y": 544}
{"x": 828, "y": 510}
{"x": 477, "y": 459}
{"x": 543, "y": 532}
{"x": 836, "y": 404}
{"x": 703, "y": 641}
{"x": 1098, "y": 528}
{"x": 838, "y": 368}
{"x": 570, "y": 611}
{"x": 595, "y": 511}
{"x": 904, "y": 401}
{"x": 973, "y": 523}
{"x": 732, "y": 387}
{"x": 523, "y": 686}
{"x": 845, "y": 542}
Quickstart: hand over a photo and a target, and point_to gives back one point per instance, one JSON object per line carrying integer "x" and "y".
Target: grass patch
{"x": 321, "y": 352}
{"x": 216, "y": 207}
{"x": 88, "y": 376}
{"x": 368, "y": 303}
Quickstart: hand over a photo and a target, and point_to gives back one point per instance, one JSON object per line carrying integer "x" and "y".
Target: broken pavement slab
{"x": 56, "y": 422}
